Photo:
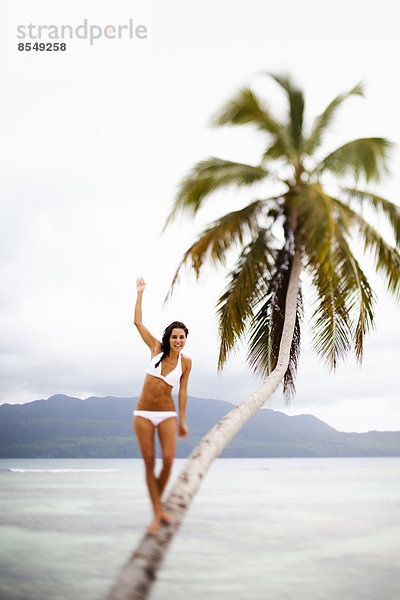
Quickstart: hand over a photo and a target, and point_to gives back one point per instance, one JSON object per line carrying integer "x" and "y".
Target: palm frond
{"x": 209, "y": 175}
{"x": 344, "y": 312}
{"x": 267, "y": 325}
{"x": 289, "y": 388}
{"x": 332, "y": 333}
{"x": 279, "y": 149}
{"x": 390, "y": 210}
{"x": 331, "y": 319}
{"x": 364, "y": 156}
{"x": 312, "y": 211}
{"x": 322, "y": 122}
{"x": 246, "y": 284}
{"x": 244, "y": 108}
{"x": 386, "y": 258}
{"x": 345, "y": 299}
{"x": 215, "y": 241}
{"x": 359, "y": 295}
{"x": 296, "y": 108}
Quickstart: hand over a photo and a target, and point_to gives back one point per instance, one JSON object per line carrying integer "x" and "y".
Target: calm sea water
{"x": 265, "y": 529}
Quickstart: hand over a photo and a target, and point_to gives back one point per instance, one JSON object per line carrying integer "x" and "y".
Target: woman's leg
{"x": 167, "y": 432}
{"x": 144, "y": 430}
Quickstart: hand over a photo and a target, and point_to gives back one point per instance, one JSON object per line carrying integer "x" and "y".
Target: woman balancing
{"x": 155, "y": 408}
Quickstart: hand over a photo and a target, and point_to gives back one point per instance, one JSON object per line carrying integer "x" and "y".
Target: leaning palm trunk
{"x": 139, "y": 573}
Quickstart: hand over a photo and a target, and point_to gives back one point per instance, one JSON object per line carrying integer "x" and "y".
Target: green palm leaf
{"x": 331, "y": 319}
{"x": 245, "y": 108}
{"x": 316, "y": 230}
{"x": 386, "y": 258}
{"x": 358, "y": 293}
{"x": 323, "y": 121}
{"x": 215, "y": 241}
{"x": 365, "y": 156}
{"x": 296, "y": 109}
{"x": 390, "y": 210}
{"x": 344, "y": 311}
{"x": 209, "y": 175}
{"x": 246, "y": 285}
{"x": 312, "y": 210}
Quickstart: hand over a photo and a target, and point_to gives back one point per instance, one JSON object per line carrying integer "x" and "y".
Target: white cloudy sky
{"x": 94, "y": 141}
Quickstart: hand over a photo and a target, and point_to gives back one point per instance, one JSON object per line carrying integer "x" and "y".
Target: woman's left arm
{"x": 183, "y": 430}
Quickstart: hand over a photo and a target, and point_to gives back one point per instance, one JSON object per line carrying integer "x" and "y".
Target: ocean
{"x": 259, "y": 529}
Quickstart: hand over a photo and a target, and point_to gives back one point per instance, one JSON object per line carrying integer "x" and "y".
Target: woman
{"x": 155, "y": 408}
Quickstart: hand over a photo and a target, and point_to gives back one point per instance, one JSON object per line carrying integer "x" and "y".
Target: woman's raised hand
{"x": 140, "y": 284}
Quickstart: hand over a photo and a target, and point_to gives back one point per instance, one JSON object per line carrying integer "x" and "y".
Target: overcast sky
{"x": 94, "y": 142}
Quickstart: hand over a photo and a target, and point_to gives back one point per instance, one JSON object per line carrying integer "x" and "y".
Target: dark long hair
{"x": 165, "y": 345}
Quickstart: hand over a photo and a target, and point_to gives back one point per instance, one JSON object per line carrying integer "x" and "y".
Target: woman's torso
{"x": 157, "y": 393}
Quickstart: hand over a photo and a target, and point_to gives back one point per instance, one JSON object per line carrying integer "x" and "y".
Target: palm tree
{"x": 301, "y": 227}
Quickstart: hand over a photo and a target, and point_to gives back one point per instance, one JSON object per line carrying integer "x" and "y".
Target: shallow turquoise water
{"x": 276, "y": 529}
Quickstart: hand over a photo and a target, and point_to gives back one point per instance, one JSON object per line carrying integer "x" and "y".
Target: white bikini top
{"x": 173, "y": 377}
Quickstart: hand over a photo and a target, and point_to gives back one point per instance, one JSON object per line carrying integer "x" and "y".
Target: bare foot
{"x": 165, "y": 517}
{"x": 154, "y": 525}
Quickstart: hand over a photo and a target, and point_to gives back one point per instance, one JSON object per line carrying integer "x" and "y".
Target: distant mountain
{"x": 65, "y": 427}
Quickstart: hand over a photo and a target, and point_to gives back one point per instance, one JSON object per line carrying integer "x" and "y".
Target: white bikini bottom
{"x": 155, "y": 416}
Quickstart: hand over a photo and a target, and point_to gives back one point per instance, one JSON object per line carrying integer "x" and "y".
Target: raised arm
{"x": 153, "y": 343}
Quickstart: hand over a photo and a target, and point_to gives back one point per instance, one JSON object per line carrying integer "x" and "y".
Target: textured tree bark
{"x": 138, "y": 575}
